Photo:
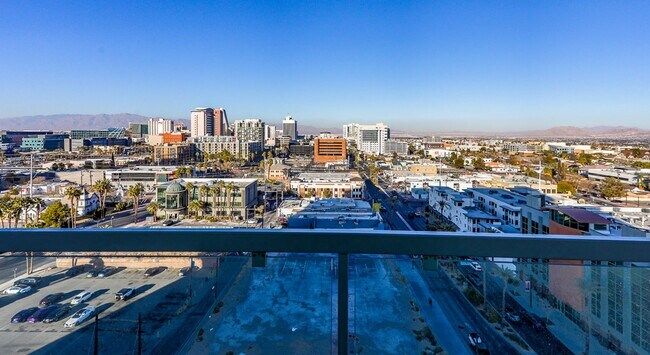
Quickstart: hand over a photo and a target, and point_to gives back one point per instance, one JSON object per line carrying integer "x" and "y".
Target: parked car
{"x": 184, "y": 271}
{"x": 82, "y": 297}
{"x": 51, "y": 299}
{"x": 476, "y": 266}
{"x": 75, "y": 270}
{"x": 29, "y": 281}
{"x": 80, "y": 316}
{"x": 57, "y": 314}
{"x": 17, "y": 290}
{"x": 107, "y": 271}
{"x": 153, "y": 271}
{"x": 23, "y": 315}
{"x": 167, "y": 223}
{"x": 41, "y": 314}
{"x": 125, "y": 293}
{"x": 512, "y": 316}
{"x": 534, "y": 321}
{"x": 251, "y": 221}
{"x": 92, "y": 273}
{"x": 477, "y": 343}
{"x": 382, "y": 209}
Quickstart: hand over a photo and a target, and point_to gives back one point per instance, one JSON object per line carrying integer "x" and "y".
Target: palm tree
{"x": 229, "y": 188}
{"x": 442, "y": 204}
{"x": 153, "y": 208}
{"x": 235, "y": 189}
{"x": 39, "y": 204}
{"x": 505, "y": 275}
{"x": 134, "y": 192}
{"x": 103, "y": 187}
{"x": 222, "y": 189}
{"x": 73, "y": 193}
{"x": 214, "y": 190}
{"x": 4, "y": 210}
{"x": 190, "y": 189}
{"x": 203, "y": 193}
{"x": 25, "y": 204}
{"x": 195, "y": 206}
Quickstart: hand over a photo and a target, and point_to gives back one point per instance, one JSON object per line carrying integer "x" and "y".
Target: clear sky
{"x": 426, "y": 65}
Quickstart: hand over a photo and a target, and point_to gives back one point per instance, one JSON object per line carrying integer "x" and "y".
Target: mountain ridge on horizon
{"x": 61, "y": 122}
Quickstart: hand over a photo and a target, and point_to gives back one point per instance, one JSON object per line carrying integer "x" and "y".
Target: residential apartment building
{"x": 249, "y": 130}
{"x": 392, "y": 146}
{"x": 202, "y": 122}
{"x": 182, "y": 153}
{"x": 206, "y": 145}
{"x": 329, "y": 150}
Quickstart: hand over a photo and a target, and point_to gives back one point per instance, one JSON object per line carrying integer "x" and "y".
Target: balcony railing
{"x": 342, "y": 243}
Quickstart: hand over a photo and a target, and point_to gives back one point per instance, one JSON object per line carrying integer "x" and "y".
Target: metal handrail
{"x": 327, "y": 241}
{"x": 341, "y": 242}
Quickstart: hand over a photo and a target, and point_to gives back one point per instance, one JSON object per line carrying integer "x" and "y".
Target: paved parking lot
{"x": 159, "y": 299}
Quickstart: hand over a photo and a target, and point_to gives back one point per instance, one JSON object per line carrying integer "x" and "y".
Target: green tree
{"x": 134, "y": 193}
{"x": 195, "y": 207}
{"x": 153, "y": 208}
{"x": 459, "y": 162}
{"x": 190, "y": 190}
{"x": 203, "y": 192}
{"x": 478, "y": 163}
{"x": 103, "y": 187}
{"x": 73, "y": 193}
{"x": 55, "y": 215}
{"x": 565, "y": 187}
{"x": 611, "y": 187}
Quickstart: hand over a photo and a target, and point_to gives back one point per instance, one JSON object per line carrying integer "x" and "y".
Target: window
{"x": 524, "y": 225}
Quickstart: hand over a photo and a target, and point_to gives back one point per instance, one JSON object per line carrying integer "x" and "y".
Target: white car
{"x": 16, "y": 290}
{"x": 82, "y": 297}
{"x": 80, "y": 316}
{"x": 476, "y": 266}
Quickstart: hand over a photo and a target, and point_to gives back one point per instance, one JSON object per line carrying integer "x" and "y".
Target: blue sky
{"x": 425, "y": 65}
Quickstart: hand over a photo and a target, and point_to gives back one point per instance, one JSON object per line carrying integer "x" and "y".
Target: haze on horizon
{"x": 479, "y": 66}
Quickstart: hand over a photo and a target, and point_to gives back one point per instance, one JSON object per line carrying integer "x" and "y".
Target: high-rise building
{"x": 159, "y": 126}
{"x": 290, "y": 128}
{"x": 369, "y": 138}
{"x": 202, "y": 122}
{"x": 221, "y": 122}
{"x": 350, "y": 132}
{"x": 250, "y": 130}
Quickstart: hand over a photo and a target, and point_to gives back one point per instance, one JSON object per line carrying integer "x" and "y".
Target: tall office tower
{"x": 350, "y": 132}
{"x": 290, "y": 128}
{"x": 251, "y": 130}
{"x": 221, "y": 123}
{"x": 202, "y": 122}
{"x": 159, "y": 126}
{"x": 138, "y": 130}
{"x": 372, "y": 138}
{"x": 269, "y": 132}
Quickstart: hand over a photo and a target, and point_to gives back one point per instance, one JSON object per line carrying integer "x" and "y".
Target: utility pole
{"x": 31, "y": 175}
{"x": 139, "y": 334}
{"x": 96, "y": 335}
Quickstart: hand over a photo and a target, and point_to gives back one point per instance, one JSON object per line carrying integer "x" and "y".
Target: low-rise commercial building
{"x": 331, "y": 213}
{"x": 329, "y": 185}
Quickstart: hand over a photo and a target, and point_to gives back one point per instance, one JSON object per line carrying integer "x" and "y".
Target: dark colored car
{"x": 29, "y": 281}
{"x": 51, "y": 299}
{"x": 477, "y": 343}
{"x": 153, "y": 271}
{"x": 534, "y": 321}
{"x": 108, "y": 271}
{"x": 92, "y": 273}
{"x": 75, "y": 270}
{"x": 41, "y": 314}
{"x": 57, "y": 314}
{"x": 168, "y": 223}
{"x": 23, "y": 315}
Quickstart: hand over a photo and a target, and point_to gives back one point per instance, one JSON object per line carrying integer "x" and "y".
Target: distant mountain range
{"x": 63, "y": 122}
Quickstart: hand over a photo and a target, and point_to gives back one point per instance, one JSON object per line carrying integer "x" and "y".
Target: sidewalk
{"x": 565, "y": 330}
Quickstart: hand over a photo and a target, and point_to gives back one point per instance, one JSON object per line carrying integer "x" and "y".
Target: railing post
{"x": 343, "y": 304}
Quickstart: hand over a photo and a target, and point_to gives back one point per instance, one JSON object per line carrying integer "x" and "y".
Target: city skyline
{"x": 442, "y": 66}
